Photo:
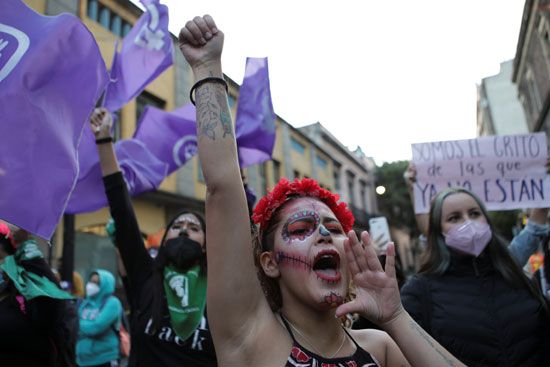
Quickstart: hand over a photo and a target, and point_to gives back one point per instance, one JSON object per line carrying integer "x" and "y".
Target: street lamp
{"x": 380, "y": 190}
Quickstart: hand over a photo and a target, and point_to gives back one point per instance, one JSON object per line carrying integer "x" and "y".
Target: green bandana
{"x": 30, "y": 285}
{"x": 186, "y": 297}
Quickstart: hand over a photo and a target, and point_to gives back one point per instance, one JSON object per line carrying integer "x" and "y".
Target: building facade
{"x": 353, "y": 173}
{"x": 297, "y": 152}
{"x": 531, "y": 71}
{"x": 499, "y": 111}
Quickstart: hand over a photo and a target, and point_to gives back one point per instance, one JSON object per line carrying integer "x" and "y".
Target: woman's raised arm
{"x": 234, "y": 293}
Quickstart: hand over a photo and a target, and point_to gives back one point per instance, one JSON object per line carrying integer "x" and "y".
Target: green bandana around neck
{"x": 29, "y": 284}
{"x": 186, "y": 298}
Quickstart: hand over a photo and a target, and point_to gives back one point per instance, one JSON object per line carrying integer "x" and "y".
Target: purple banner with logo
{"x": 142, "y": 172}
{"x": 170, "y": 136}
{"x": 51, "y": 75}
{"x": 146, "y": 52}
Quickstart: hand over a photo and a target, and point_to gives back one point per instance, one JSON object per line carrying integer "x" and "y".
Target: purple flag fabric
{"x": 255, "y": 125}
{"x": 170, "y": 136}
{"x": 163, "y": 142}
{"x": 142, "y": 172}
{"x": 51, "y": 75}
{"x": 146, "y": 52}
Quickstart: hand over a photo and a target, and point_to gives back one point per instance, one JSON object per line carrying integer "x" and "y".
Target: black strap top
{"x": 301, "y": 357}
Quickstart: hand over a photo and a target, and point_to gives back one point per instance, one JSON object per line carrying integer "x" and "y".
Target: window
{"x": 147, "y": 99}
{"x": 297, "y": 146}
{"x": 296, "y": 174}
{"x": 534, "y": 94}
{"x": 543, "y": 27}
{"x": 92, "y": 9}
{"x": 276, "y": 171}
{"x": 105, "y": 17}
{"x": 108, "y": 18}
{"x": 126, "y": 28}
{"x": 337, "y": 179}
{"x": 364, "y": 195}
{"x": 351, "y": 187}
{"x": 321, "y": 162}
{"x": 116, "y": 25}
{"x": 544, "y": 32}
{"x": 231, "y": 100}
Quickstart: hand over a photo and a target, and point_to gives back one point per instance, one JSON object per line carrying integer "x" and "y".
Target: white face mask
{"x": 92, "y": 289}
{"x": 471, "y": 237}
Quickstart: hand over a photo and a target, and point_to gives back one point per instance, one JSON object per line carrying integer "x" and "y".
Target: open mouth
{"x": 327, "y": 265}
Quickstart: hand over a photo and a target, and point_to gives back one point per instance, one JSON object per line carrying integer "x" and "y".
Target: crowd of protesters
{"x": 280, "y": 284}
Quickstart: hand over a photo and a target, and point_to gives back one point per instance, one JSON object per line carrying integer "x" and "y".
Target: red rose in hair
{"x": 305, "y": 187}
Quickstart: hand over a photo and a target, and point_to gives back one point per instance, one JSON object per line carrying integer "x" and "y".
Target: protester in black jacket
{"x": 34, "y": 319}
{"x": 470, "y": 295}
{"x": 167, "y": 294}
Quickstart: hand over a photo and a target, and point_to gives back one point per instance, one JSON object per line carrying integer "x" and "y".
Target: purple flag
{"x": 255, "y": 126}
{"x": 142, "y": 172}
{"x": 170, "y": 136}
{"x": 51, "y": 75}
{"x": 163, "y": 142}
{"x": 146, "y": 52}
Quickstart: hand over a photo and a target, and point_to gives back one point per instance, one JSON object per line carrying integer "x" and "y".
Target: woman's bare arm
{"x": 234, "y": 293}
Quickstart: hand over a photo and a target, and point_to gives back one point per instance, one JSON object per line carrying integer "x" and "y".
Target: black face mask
{"x": 182, "y": 252}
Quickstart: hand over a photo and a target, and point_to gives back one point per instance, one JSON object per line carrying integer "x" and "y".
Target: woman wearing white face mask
{"x": 99, "y": 313}
{"x": 470, "y": 295}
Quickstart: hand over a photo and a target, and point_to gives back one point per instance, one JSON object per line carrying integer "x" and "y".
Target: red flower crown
{"x": 305, "y": 187}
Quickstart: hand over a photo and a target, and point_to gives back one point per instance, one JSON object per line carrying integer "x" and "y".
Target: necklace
{"x": 311, "y": 344}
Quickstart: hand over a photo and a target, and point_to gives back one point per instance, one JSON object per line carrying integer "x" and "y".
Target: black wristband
{"x": 108, "y": 139}
{"x": 211, "y": 79}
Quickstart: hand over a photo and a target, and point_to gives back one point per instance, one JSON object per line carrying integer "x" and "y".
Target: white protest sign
{"x": 506, "y": 172}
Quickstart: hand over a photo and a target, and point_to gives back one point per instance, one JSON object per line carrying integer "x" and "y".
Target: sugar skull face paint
{"x": 325, "y": 265}
{"x": 309, "y": 251}
{"x": 293, "y": 260}
{"x": 187, "y": 224}
{"x": 304, "y": 223}
{"x": 332, "y": 300}
{"x": 323, "y": 231}
{"x": 300, "y": 225}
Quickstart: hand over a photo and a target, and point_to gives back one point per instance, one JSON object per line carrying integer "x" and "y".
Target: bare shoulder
{"x": 373, "y": 341}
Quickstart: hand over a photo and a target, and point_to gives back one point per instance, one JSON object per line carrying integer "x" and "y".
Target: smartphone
{"x": 379, "y": 232}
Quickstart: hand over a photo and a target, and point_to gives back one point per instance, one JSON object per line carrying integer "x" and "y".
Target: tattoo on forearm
{"x": 413, "y": 325}
{"x": 212, "y": 110}
{"x": 225, "y": 117}
{"x": 208, "y": 111}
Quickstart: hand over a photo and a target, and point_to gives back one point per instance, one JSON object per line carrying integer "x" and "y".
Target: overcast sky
{"x": 378, "y": 74}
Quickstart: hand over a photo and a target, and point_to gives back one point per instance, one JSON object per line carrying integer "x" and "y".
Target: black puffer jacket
{"x": 478, "y": 317}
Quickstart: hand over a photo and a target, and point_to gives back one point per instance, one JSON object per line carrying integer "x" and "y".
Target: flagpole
{"x": 67, "y": 257}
